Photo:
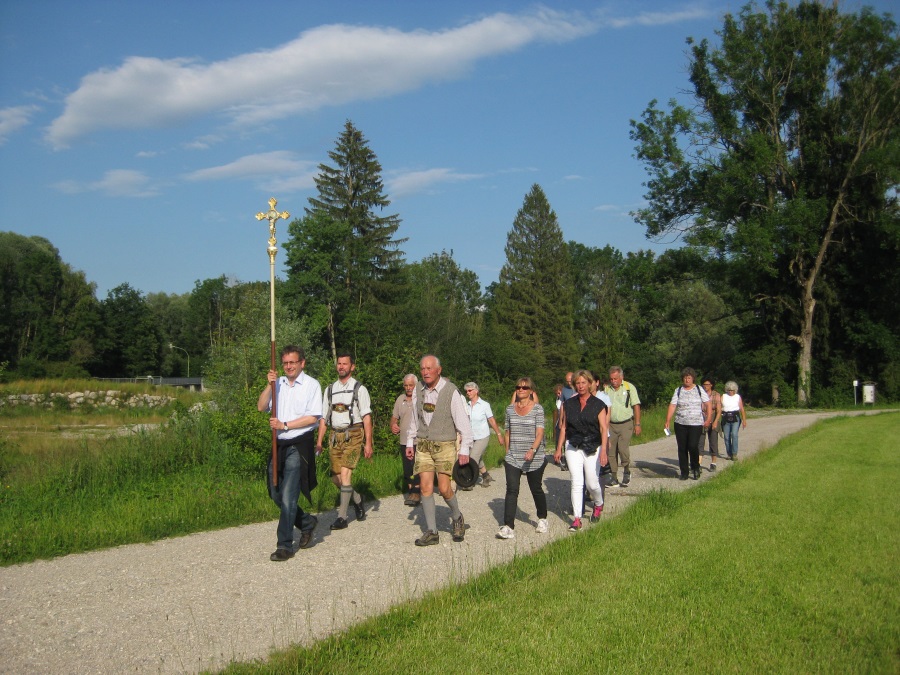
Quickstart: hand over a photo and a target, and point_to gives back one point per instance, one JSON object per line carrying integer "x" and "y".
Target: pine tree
{"x": 350, "y": 192}
{"x": 534, "y": 296}
{"x": 344, "y": 260}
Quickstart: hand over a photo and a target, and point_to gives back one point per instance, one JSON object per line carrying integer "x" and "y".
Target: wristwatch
{"x": 285, "y": 426}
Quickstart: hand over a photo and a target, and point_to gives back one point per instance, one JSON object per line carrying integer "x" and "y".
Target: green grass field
{"x": 785, "y": 563}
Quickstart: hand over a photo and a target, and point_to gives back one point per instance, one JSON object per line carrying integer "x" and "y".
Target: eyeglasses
{"x": 289, "y": 363}
{"x": 522, "y": 387}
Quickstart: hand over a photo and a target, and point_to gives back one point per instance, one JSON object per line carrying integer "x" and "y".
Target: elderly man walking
{"x": 439, "y": 414}
{"x": 624, "y": 420}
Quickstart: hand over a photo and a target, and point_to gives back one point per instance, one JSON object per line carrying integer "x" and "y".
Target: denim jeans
{"x": 688, "y": 438}
{"x": 285, "y": 497}
{"x": 731, "y": 437}
{"x": 535, "y": 484}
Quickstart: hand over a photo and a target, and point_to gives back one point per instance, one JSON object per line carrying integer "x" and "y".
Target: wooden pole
{"x": 272, "y": 216}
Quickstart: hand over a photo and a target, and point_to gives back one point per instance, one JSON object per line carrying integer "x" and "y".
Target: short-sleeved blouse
{"x": 521, "y": 432}
{"x": 689, "y": 405}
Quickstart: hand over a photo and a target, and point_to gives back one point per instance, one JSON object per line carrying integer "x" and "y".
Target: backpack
{"x": 354, "y": 399}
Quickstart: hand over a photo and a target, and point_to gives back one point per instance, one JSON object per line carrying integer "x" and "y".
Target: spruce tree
{"x": 359, "y": 249}
{"x": 351, "y": 192}
{"x": 534, "y": 296}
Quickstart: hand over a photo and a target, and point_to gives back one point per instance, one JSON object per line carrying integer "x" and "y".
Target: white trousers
{"x": 583, "y": 469}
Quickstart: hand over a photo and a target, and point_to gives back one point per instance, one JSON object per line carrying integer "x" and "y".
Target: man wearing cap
{"x": 439, "y": 414}
{"x": 299, "y": 407}
{"x": 624, "y": 420}
{"x": 347, "y": 411}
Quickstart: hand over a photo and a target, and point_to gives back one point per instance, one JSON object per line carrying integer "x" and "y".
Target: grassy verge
{"x": 780, "y": 564}
{"x": 66, "y": 489}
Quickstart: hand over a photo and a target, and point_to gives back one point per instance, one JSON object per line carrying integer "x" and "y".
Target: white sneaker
{"x": 506, "y": 532}
{"x": 542, "y": 527}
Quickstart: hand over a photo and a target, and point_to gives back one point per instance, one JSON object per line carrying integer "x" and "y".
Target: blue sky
{"x": 141, "y": 138}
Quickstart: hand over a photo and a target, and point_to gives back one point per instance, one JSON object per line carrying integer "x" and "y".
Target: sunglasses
{"x": 522, "y": 387}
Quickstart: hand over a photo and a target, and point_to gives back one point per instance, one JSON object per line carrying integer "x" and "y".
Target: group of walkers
{"x": 700, "y": 414}
{"x": 439, "y": 432}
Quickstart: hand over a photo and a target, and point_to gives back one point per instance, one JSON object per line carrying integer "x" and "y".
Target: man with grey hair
{"x": 400, "y": 418}
{"x": 439, "y": 414}
{"x": 624, "y": 420}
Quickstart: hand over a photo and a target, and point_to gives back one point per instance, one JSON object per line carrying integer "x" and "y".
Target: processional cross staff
{"x": 273, "y": 216}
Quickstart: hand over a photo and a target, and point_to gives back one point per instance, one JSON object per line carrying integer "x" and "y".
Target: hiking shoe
{"x": 360, "y": 509}
{"x": 486, "y": 479}
{"x": 428, "y": 539}
{"x": 575, "y": 526}
{"x": 459, "y": 529}
{"x": 542, "y": 527}
{"x": 626, "y": 479}
{"x": 281, "y": 554}
{"x": 339, "y": 524}
{"x": 712, "y": 466}
{"x": 506, "y": 532}
{"x": 595, "y": 514}
{"x": 612, "y": 482}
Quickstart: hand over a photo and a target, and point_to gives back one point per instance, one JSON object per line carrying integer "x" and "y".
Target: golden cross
{"x": 272, "y": 216}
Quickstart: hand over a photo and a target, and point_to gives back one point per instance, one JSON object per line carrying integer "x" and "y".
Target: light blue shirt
{"x": 479, "y": 414}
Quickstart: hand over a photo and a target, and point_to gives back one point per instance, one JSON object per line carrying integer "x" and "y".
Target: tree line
{"x": 781, "y": 178}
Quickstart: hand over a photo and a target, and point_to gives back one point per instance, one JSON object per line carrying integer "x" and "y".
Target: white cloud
{"x": 403, "y": 184}
{"x": 325, "y": 66}
{"x": 115, "y": 183}
{"x": 13, "y": 119}
{"x": 277, "y": 163}
{"x": 657, "y": 18}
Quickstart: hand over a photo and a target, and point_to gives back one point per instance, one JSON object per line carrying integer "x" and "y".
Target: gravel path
{"x": 201, "y": 601}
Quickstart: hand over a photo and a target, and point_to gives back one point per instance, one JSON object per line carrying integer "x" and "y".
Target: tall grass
{"x": 779, "y": 564}
{"x": 63, "y": 493}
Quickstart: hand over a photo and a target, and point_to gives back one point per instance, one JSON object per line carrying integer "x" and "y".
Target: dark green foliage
{"x": 534, "y": 296}
{"x": 48, "y": 312}
{"x": 365, "y": 272}
{"x": 130, "y": 344}
{"x": 790, "y": 148}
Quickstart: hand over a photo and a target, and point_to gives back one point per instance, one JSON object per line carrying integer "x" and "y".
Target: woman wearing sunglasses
{"x": 525, "y": 454}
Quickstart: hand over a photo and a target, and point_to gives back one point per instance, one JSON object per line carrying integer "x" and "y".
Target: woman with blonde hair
{"x": 584, "y": 436}
{"x": 525, "y": 453}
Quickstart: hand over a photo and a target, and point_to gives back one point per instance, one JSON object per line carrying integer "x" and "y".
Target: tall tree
{"x": 316, "y": 272}
{"x": 351, "y": 194}
{"x": 131, "y": 345}
{"x": 48, "y": 312}
{"x": 534, "y": 295}
{"x": 791, "y": 144}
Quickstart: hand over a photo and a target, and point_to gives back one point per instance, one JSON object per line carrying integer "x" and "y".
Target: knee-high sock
{"x": 346, "y": 494}
{"x": 454, "y": 507}
{"x": 430, "y": 517}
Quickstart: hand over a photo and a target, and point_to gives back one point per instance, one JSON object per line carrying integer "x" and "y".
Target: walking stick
{"x": 272, "y": 216}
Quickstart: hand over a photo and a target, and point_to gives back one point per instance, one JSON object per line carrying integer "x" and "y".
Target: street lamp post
{"x": 171, "y": 346}
{"x": 273, "y": 216}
